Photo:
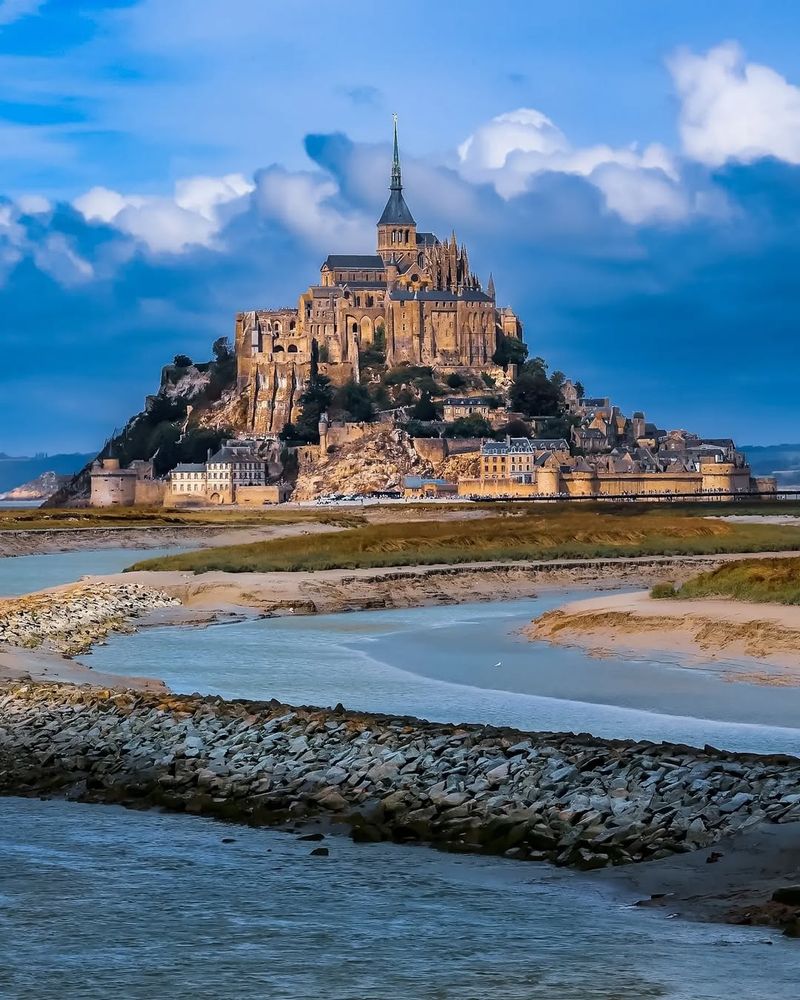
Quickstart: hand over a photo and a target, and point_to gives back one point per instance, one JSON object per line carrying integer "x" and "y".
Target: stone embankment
{"x": 574, "y": 800}
{"x": 71, "y": 620}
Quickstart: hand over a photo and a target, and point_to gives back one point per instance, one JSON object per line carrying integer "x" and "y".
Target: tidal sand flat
{"x": 757, "y": 643}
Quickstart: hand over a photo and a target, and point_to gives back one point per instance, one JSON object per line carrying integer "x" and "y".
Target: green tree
{"x": 197, "y": 442}
{"x": 515, "y": 428}
{"x": 374, "y": 355}
{"x": 355, "y": 401}
{"x": 315, "y": 400}
{"x": 534, "y": 394}
{"x": 510, "y": 351}
{"x": 469, "y": 427}
{"x": 182, "y": 361}
{"x": 416, "y": 429}
{"x": 424, "y": 409}
{"x": 221, "y": 349}
{"x": 456, "y": 381}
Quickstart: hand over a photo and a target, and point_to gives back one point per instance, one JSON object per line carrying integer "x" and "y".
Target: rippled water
{"x": 22, "y": 574}
{"x": 438, "y": 663}
{"x": 96, "y": 902}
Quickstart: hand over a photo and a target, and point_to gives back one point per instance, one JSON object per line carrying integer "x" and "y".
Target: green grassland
{"x": 763, "y": 581}
{"x": 559, "y": 532}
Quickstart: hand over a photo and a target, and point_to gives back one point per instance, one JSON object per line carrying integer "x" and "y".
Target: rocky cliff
{"x": 40, "y": 488}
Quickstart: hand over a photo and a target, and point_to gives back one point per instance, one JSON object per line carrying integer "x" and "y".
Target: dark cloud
{"x": 696, "y": 322}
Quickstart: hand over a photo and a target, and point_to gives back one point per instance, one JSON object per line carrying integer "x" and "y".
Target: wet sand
{"x": 46, "y": 665}
{"x": 742, "y": 874}
{"x": 704, "y": 632}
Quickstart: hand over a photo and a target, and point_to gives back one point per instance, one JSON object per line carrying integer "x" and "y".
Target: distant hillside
{"x": 781, "y": 460}
{"x": 14, "y": 471}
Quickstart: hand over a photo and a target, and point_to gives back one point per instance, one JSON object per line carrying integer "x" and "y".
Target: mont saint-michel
{"x": 397, "y": 374}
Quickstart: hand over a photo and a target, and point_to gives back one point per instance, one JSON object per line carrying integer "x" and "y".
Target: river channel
{"x": 97, "y": 901}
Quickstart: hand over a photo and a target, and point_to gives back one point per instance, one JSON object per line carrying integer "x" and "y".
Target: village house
{"x": 235, "y": 474}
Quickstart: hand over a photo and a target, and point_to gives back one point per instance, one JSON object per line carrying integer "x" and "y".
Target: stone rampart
{"x": 574, "y": 800}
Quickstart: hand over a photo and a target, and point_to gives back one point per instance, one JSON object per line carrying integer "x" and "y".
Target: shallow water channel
{"x": 97, "y": 901}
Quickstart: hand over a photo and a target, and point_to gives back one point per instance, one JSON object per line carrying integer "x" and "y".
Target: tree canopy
{"x": 315, "y": 400}
{"x": 534, "y": 393}
{"x": 510, "y": 351}
{"x": 354, "y": 400}
{"x": 474, "y": 426}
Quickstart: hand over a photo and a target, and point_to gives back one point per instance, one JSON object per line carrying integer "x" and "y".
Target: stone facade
{"x": 237, "y": 473}
{"x": 113, "y": 486}
{"x": 523, "y": 467}
{"x": 415, "y": 298}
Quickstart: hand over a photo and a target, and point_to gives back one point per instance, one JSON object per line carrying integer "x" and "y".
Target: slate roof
{"x": 426, "y": 239}
{"x": 240, "y": 454}
{"x": 357, "y": 261}
{"x": 468, "y": 401}
{"x": 189, "y": 467}
{"x": 396, "y": 212}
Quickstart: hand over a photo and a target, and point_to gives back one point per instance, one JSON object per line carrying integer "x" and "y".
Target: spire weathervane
{"x": 397, "y": 183}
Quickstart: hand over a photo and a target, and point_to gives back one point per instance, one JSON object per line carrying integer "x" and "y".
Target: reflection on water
{"x": 439, "y": 663}
{"x": 97, "y": 902}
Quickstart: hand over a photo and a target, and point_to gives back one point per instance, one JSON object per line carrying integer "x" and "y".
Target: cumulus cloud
{"x": 512, "y": 149}
{"x": 193, "y": 216}
{"x": 736, "y": 110}
{"x": 304, "y": 203}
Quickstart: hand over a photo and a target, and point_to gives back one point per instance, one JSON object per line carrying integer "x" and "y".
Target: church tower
{"x": 397, "y": 230}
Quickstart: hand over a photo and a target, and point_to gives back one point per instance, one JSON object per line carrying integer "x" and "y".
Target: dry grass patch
{"x": 552, "y": 534}
{"x": 48, "y": 518}
{"x": 762, "y": 581}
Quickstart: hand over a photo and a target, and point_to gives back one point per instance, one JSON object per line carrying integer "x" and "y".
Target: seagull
{"x": 499, "y": 663}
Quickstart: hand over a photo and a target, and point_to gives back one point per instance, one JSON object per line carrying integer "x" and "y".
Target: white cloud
{"x": 57, "y": 258}
{"x": 14, "y": 10}
{"x": 301, "y": 202}
{"x": 734, "y": 110}
{"x": 512, "y": 149}
{"x": 33, "y": 204}
{"x": 194, "y": 215}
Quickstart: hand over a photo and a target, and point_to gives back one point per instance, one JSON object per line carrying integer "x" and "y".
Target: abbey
{"x": 415, "y": 300}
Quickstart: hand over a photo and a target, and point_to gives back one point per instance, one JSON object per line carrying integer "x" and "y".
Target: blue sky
{"x": 629, "y": 170}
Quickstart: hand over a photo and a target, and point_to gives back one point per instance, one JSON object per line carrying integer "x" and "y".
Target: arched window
{"x": 292, "y": 324}
{"x": 421, "y": 259}
{"x": 355, "y": 327}
{"x": 277, "y": 349}
{"x": 292, "y": 348}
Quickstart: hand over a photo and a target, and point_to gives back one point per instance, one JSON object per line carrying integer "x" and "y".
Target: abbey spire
{"x": 397, "y": 230}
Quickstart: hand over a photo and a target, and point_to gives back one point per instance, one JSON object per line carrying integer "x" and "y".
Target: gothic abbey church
{"x": 416, "y": 298}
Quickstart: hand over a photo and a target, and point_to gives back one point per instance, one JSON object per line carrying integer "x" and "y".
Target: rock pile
{"x": 574, "y": 800}
{"x": 71, "y": 620}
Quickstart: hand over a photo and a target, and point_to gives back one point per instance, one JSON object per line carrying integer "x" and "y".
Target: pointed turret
{"x": 490, "y": 287}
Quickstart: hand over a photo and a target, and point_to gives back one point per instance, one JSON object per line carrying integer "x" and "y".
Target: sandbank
{"x": 759, "y": 643}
